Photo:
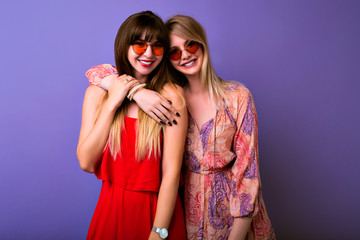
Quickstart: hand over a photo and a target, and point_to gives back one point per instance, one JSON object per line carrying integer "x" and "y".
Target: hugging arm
{"x": 151, "y": 102}
{"x": 95, "y": 126}
{"x": 172, "y": 155}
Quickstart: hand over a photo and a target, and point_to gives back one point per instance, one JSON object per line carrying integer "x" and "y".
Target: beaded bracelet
{"x": 134, "y": 89}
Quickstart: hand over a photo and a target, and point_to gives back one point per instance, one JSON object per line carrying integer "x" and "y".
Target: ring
{"x": 127, "y": 79}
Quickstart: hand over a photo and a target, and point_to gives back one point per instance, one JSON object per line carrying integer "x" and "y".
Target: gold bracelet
{"x": 134, "y": 89}
{"x": 132, "y": 86}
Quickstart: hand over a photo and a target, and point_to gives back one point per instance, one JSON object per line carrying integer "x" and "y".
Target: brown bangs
{"x": 131, "y": 30}
{"x": 154, "y": 30}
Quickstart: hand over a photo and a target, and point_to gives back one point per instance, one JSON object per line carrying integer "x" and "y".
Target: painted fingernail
{"x": 161, "y": 122}
{"x": 174, "y": 121}
{"x": 169, "y": 101}
{"x": 169, "y": 123}
{"x": 177, "y": 114}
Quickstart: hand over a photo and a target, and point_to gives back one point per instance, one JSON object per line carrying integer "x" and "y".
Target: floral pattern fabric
{"x": 222, "y": 179}
{"x": 97, "y": 73}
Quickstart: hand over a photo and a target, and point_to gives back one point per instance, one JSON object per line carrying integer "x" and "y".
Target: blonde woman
{"x": 222, "y": 190}
{"x": 137, "y": 159}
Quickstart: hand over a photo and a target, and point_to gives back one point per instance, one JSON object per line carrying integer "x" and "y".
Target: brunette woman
{"x": 137, "y": 159}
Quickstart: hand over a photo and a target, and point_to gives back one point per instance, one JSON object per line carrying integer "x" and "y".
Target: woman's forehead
{"x": 176, "y": 40}
{"x": 151, "y": 35}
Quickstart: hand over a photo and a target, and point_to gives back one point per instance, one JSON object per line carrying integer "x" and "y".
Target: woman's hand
{"x": 151, "y": 102}
{"x": 240, "y": 228}
{"x": 156, "y": 106}
{"x": 154, "y": 236}
{"x": 119, "y": 88}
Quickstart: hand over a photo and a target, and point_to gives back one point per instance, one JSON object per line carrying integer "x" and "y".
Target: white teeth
{"x": 188, "y": 64}
{"x": 146, "y": 63}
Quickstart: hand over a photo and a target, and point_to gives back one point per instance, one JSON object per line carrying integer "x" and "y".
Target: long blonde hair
{"x": 148, "y": 130}
{"x": 188, "y": 28}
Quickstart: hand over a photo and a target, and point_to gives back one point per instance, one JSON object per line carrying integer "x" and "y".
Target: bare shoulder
{"x": 173, "y": 90}
{"x": 175, "y": 94}
{"x": 93, "y": 95}
{"x": 94, "y": 92}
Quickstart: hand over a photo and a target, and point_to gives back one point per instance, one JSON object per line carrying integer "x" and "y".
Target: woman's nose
{"x": 148, "y": 53}
{"x": 184, "y": 54}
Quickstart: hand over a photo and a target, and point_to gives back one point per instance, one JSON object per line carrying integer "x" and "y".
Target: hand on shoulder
{"x": 176, "y": 95}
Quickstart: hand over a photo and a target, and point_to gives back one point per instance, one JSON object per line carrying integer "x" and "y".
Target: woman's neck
{"x": 195, "y": 89}
{"x": 195, "y": 85}
{"x": 141, "y": 78}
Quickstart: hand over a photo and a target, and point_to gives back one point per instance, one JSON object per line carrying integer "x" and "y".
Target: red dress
{"x": 127, "y": 203}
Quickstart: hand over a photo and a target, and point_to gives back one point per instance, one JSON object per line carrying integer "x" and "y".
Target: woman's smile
{"x": 146, "y": 63}
{"x": 189, "y": 63}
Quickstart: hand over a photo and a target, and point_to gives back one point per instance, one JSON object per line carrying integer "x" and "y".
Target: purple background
{"x": 299, "y": 58}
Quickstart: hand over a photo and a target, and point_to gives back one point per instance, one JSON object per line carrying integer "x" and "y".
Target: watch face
{"x": 163, "y": 233}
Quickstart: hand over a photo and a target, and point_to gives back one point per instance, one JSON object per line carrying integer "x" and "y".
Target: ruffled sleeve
{"x": 245, "y": 182}
{"x": 97, "y": 73}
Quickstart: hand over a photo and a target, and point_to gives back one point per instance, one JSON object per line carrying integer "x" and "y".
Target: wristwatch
{"x": 163, "y": 232}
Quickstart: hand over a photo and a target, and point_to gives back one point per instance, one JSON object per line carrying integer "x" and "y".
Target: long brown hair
{"x": 148, "y": 131}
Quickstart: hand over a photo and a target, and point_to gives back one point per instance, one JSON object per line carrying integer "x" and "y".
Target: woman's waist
{"x": 132, "y": 178}
{"x": 139, "y": 186}
{"x": 209, "y": 163}
{"x": 207, "y": 171}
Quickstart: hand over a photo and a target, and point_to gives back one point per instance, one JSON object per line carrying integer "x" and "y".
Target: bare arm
{"x": 156, "y": 106}
{"x": 151, "y": 102}
{"x": 173, "y": 148}
{"x": 94, "y": 130}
